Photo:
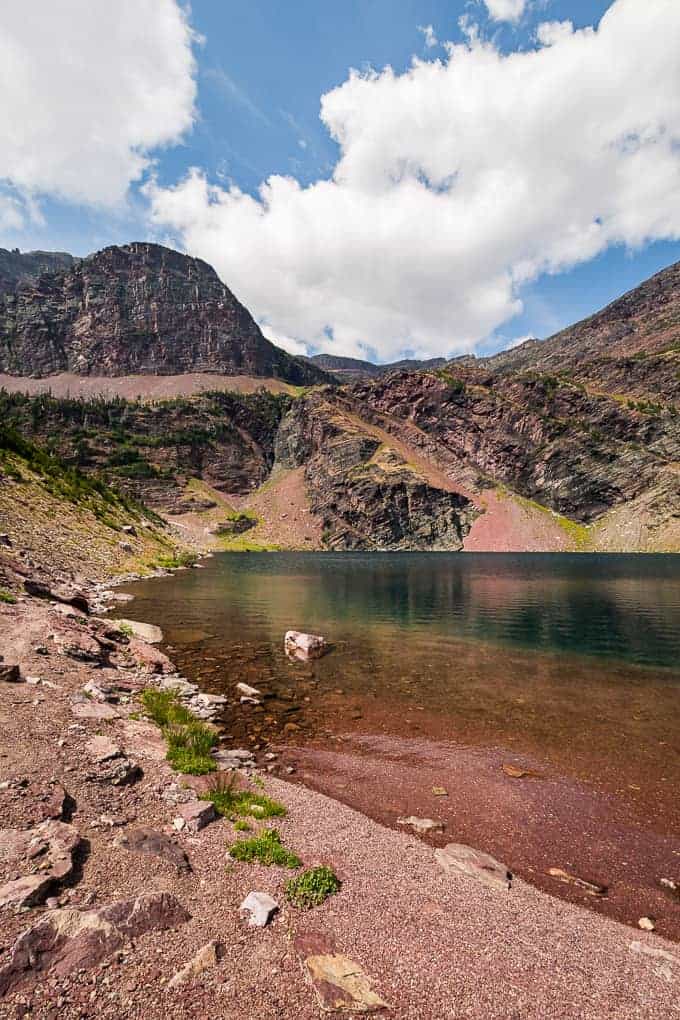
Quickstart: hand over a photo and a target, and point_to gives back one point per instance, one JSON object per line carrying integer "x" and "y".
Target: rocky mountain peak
{"x": 139, "y": 308}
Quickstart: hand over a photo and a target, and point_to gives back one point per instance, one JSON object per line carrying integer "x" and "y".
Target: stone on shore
{"x": 68, "y": 940}
{"x": 46, "y": 852}
{"x": 247, "y": 691}
{"x": 592, "y": 888}
{"x": 465, "y": 860}
{"x": 85, "y": 708}
{"x": 10, "y": 674}
{"x": 66, "y": 596}
{"x": 196, "y": 814}
{"x": 144, "y": 631}
{"x": 340, "y": 984}
{"x": 299, "y": 645}
{"x": 261, "y": 908}
{"x": 205, "y": 958}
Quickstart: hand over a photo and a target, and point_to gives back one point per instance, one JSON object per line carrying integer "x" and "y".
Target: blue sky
{"x": 261, "y": 70}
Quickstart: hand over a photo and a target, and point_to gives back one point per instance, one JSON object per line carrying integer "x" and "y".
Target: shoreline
{"x": 396, "y": 910}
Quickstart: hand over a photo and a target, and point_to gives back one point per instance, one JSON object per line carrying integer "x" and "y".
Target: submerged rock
{"x": 421, "y": 824}
{"x": 303, "y": 646}
{"x": 465, "y": 860}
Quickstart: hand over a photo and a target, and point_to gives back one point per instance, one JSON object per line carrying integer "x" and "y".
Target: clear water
{"x": 619, "y": 607}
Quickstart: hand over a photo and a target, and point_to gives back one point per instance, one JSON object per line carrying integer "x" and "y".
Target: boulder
{"x": 144, "y": 631}
{"x": 261, "y": 908}
{"x": 247, "y": 691}
{"x": 46, "y": 852}
{"x": 67, "y": 597}
{"x": 457, "y": 858}
{"x": 340, "y": 984}
{"x": 10, "y": 674}
{"x": 68, "y": 940}
{"x": 303, "y": 646}
{"x": 196, "y": 814}
{"x": 84, "y": 708}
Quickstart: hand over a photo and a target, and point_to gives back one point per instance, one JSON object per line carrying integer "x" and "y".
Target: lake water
{"x": 444, "y": 668}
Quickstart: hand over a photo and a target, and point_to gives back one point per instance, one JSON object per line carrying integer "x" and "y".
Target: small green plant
{"x": 189, "y": 747}
{"x": 312, "y": 887}
{"x": 266, "y": 848}
{"x": 189, "y": 741}
{"x": 126, "y": 629}
{"x": 231, "y": 802}
{"x": 241, "y": 825}
{"x": 7, "y": 597}
{"x": 165, "y": 708}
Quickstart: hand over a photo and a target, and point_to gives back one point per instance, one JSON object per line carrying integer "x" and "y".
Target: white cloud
{"x": 429, "y": 35}
{"x": 506, "y": 10}
{"x": 89, "y": 88}
{"x": 288, "y": 343}
{"x": 458, "y": 181}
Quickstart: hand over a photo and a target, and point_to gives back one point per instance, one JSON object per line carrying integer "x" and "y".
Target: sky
{"x": 373, "y": 178}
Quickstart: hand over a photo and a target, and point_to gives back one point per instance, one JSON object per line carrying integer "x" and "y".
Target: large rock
{"x": 55, "y": 593}
{"x": 47, "y": 853}
{"x": 457, "y": 858}
{"x": 10, "y": 674}
{"x": 303, "y": 646}
{"x": 144, "y": 631}
{"x": 196, "y": 814}
{"x": 67, "y": 940}
{"x": 341, "y": 985}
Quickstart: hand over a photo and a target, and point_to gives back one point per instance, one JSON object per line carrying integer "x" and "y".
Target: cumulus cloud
{"x": 89, "y": 89}
{"x": 457, "y": 182}
{"x": 506, "y": 10}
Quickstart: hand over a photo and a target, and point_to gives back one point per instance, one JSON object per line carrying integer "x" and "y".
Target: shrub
{"x": 232, "y": 802}
{"x": 312, "y": 887}
{"x": 266, "y": 848}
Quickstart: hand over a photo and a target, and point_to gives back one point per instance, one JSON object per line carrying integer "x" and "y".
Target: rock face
{"x": 18, "y": 267}
{"x": 366, "y": 494}
{"x": 140, "y": 308}
{"x": 46, "y": 853}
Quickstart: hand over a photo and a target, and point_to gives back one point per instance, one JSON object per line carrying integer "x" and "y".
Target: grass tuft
{"x": 266, "y": 848}
{"x": 7, "y": 597}
{"x": 189, "y": 740}
{"x": 312, "y": 887}
{"x": 232, "y": 802}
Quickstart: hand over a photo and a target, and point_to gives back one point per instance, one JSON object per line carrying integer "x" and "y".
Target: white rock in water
{"x": 261, "y": 908}
{"x": 456, "y": 858}
{"x": 304, "y": 646}
{"x": 421, "y": 824}
{"x": 144, "y": 631}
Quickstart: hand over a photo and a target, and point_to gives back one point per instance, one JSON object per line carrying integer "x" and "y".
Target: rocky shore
{"x": 119, "y": 898}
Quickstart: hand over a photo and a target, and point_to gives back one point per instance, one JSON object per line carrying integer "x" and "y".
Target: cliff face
{"x": 142, "y": 309}
{"x": 366, "y": 494}
{"x": 21, "y": 267}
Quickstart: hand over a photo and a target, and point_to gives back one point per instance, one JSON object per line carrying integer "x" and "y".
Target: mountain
{"x": 136, "y": 309}
{"x": 631, "y": 347}
{"x": 21, "y": 267}
{"x": 572, "y": 443}
{"x": 349, "y": 369}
